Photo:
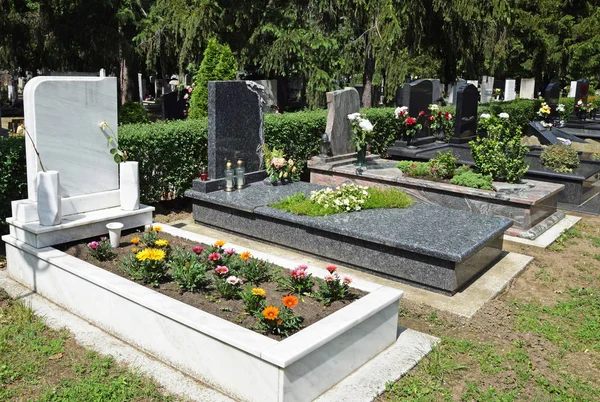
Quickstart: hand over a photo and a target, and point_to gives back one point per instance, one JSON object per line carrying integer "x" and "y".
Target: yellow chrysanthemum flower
{"x": 150, "y": 254}
{"x": 245, "y": 255}
{"x": 219, "y": 243}
{"x": 259, "y": 292}
{"x": 161, "y": 243}
{"x": 157, "y": 228}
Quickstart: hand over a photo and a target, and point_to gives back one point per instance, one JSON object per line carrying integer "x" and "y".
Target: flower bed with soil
{"x": 241, "y": 363}
{"x": 239, "y": 288}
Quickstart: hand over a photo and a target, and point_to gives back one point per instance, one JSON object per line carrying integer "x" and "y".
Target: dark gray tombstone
{"x": 436, "y": 91}
{"x": 581, "y": 92}
{"x": 235, "y": 125}
{"x": 339, "y": 105}
{"x": 465, "y": 122}
{"x": 551, "y": 97}
{"x": 417, "y": 95}
{"x": 3, "y": 132}
{"x": 173, "y": 106}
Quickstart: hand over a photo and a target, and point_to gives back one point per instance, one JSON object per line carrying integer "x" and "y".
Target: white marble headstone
{"x": 487, "y": 89}
{"x": 509, "y": 90}
{"x": 527, "y": 88}
{"x": 62, "y": 115}
{"x": 572, "y": 89}
{"x": 473, "y": 82}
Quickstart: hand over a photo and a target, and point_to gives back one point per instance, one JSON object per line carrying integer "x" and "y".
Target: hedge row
{"x": 170, "y": 153}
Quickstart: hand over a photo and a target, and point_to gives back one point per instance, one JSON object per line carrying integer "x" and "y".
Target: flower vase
{"x": 114, "y": 233}
{"x": 361, "y": 156}
{"x": 440, "y": 134}
{"x": 408, "y": 141}
{"x": 49, "y": 204}
{"x": 129, "y": 183}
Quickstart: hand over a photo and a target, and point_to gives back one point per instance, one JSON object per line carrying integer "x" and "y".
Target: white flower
{"x": 580, "y": 102}
{"x": 560, "y": 107}
{"x": 400, "y": 109}
{"x": 233, "y": 280}
{"x": 354, "y": 116}
{"x": 434, "y": 107}
{"x": 103, "y": 124}
{"x": 366, "y": 125}
{"x": 485, "y": 116}
{"x": 503, "y": 115}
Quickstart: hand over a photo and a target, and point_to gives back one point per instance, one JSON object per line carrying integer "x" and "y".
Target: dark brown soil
{"x": 309, "y": 308}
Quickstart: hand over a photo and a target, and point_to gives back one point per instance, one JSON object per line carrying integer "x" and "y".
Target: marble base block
{"x": 237, "y": 361}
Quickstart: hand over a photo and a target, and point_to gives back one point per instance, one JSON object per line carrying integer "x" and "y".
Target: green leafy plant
{"x": 560, "y": 158}
{"x": 188, "y": 271}
{"x": 334, "y": 288}
{"x": 473, "y": 180}
{"x": 500, "y": 153}
{"x": 102, "y": 250}
{"x": 119, "y": 154}
{"x": 443, "y": 166}
{"x": 414, "y": 168}
{"x": 228, "y": 286}
{"x": 254, "y": 270}
{"x": 132, "y": 112}
{"x": 254, "y": 299}
{"x": 345, "y": 198}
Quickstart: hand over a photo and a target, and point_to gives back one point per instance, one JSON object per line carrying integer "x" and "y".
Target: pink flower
{"x": 229, "y": 252}
{"x": 347, "y": 280}
{"x": 233, "y": 280}
{"x": 329, "y": 278}
{"x": 302, "y": 266}
{"x": 198, "y": 249}
{"x": 103, "y": 238}
{"x": 214, "y": 257}
{"x": 298, "y": 273}
{"x": 221, "y": 270}
{"x": 93, "y": 245}
{"x": 331, "y": 268}
{"x": 190, "y": 89}
{"x": 421, "y": 113}
{"x": 186, "y": 96}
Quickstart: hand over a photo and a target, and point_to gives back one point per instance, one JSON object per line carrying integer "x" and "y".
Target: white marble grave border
{"x": 235, "y": 360}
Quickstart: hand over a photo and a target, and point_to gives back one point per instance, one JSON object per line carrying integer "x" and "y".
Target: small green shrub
{"x": 146, "y": 266}
{"x": 560, "y": 158}
{"x": 443, "y": 166}
{"x": 102, "y": 250}
{"x": 132, "y": 113}
{"x": 414, "y": 168}
{"x": 188, "y": 271}
{"x": 13, "y": 177}
{"x": 473, "y": 180}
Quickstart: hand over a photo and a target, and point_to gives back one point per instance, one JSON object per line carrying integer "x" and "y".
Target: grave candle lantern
{"x": 203, "y": 174}
{"x": 239, "y": 174}
{"x": 229, "y": 177}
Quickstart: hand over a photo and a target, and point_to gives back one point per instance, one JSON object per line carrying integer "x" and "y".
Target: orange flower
{"x": 157, "y": 228}
{"x": 135, "y": 240}
{"x": 290, "y": 301}
{"x": 271, "y": 312}
{"x": 219, "y": 243}
{"x": 134, "y": 249}
{"x": 245, "y": 255}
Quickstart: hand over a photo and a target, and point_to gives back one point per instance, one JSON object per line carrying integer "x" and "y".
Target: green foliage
{"x": 254, "y": 299}
{"x": 298, "y": 281}
{"x": 169, "y": 155}
{"x": 299, "y": 204}
{"x": 560, "y": 158}
{"x": 13, "y": 177}
{"x": 500, "y": 153}
{"x": 521, "y": 111}
{"x": 150, "y": 270}
{"x": 414, "y": 168}
{"x": 131, "y": 113}
{"x": 443, "y": 166}
{"x": 102, "y": 250}
{"x": 284, "y": 323}
{"x": 333, "y": 287}
{"x": 280, "y": 168}
{"x": 188, "y": 271}
{"x": 473, "y": 180}
{"x": 226, "y": 69}
{"x": 206, "y": 73}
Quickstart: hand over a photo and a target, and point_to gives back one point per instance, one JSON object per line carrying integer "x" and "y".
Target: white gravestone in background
{"x": 527, "y": 88}
{"x": 509, "y": 90}
{"x": 62, "y": 115}
{"x": 572, "y": 89}
{"x": 487, "y": 89}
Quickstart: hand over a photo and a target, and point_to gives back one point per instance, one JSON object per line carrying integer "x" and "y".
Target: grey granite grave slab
{"x": 430, "y": 246}
{"x": 339, "y": 105}
{"x": 235, "y": 125}
{"x": 549, "y": 137}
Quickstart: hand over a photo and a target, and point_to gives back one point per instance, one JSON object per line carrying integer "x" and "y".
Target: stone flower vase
{"x": 129, "y": 184}
{"x": 49, "y": 204}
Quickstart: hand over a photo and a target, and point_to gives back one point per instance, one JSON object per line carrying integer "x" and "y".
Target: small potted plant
{"x": 49, "y": 202}
{"x": 129, "y": 177}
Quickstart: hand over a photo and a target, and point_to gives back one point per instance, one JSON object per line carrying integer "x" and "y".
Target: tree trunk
{"x": 126, "y": 89}
{"x": 367, "y": 100}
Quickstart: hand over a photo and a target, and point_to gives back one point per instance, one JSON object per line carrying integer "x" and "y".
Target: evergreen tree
{"x": 227, "y": 68}
{"x": 206, "y": 72}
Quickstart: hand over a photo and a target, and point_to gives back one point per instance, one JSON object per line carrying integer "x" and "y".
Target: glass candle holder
{"x": 229, "y": 177}
{"x": 240, "y": 171}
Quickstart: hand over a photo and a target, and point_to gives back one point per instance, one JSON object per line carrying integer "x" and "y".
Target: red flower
{"x": 402, "y": 113}
{"x": 431, "y": 118}
{"x": 440, "y": 113}
{"x": 411, "y": 121}
{"x": 412, "y": 165}
{"x": 421, "y": 113}
{"x": 331, "y": 268}
{"x": 447, "y": 116}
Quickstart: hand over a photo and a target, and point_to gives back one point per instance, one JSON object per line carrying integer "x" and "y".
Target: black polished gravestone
{"x": 173, "y": 106}
{"x": 417, "y": 95}
{"x": 582, "y": 89}
{"x": 551, "y": 97}
{"x": 465, "y": 120}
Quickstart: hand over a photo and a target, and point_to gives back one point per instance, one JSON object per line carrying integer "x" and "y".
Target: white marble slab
{"x": 573, "y": 89}
{"x": 550, "y": 235}
{"x": 509, "y": 90}
{"x": 62, "y": 115}
{"x": 527, "y": 90}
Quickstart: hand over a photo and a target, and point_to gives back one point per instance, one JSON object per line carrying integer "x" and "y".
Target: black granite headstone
{"x": 552, "y": 96}
{"x": 173, "y": 106}
{"x": 417, "y": 95}
{"x": 235, "y": 125}
{"x": 465, "y": 120}
{"x": 581, "y": 93}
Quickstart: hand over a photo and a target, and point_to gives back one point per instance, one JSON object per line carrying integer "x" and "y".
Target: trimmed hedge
{"x": 170, "y": 155}
{"x": 13, "y": 177}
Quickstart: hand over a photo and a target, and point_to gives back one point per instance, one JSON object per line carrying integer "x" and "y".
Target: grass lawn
{"x": 40, "y": 364}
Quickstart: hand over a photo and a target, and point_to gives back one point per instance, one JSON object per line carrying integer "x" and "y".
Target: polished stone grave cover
{"x": 426, "y": 245}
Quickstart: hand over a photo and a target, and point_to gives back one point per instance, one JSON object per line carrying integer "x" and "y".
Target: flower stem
{"x": 35, "y": 149}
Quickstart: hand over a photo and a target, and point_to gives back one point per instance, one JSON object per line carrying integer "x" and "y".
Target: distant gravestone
{"x": 339, "y": 105}
{"x": 509, "y": 90}
{"x": 269, "y": 94}
{"x": 436, "y": 91}
{"x": 235, "y": 125}
{"x": 465, "y": 126}
{"x": 527, "y": 88}
{"x": 551, "y": 97}
{"x": 475, "y": 83}
{"x": 62, "y": 115}
{"x": 582, "y": 89}
{"x": 141, "y": 87}
{"x": 173, "y": 106}
{"x": 572, "y": 89}
{"x": 452, "y": 88}
{"x": 417, "y": 95}
{"x": 487, "y": 89}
